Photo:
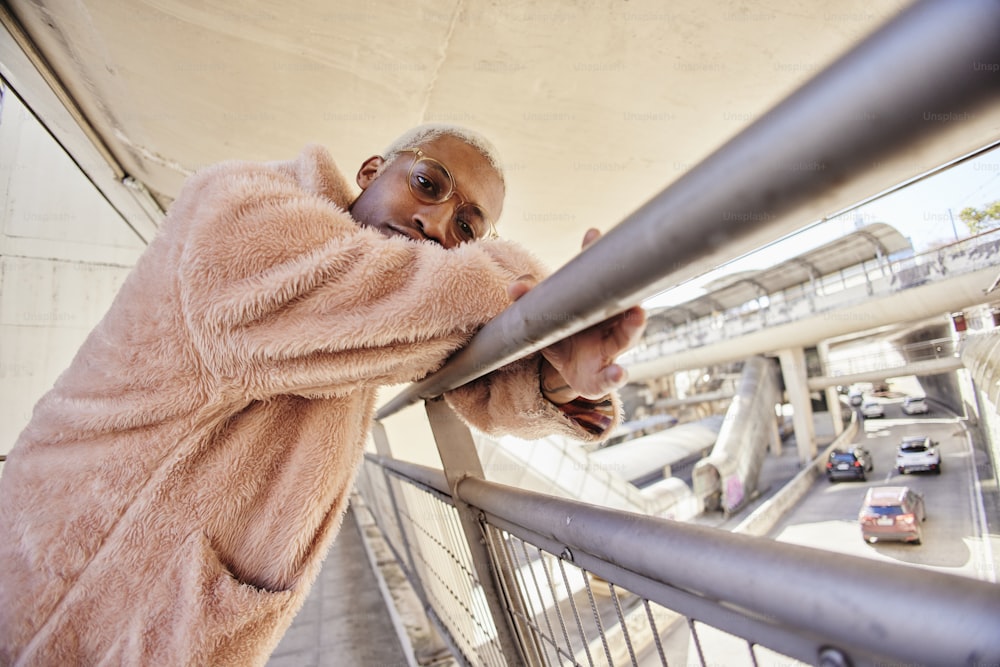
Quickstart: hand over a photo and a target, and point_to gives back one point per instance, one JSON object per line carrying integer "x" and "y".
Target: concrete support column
{"x": 832, "y": 397}
{"x": 774, "y": 437}
{"x": 793, "y": 372}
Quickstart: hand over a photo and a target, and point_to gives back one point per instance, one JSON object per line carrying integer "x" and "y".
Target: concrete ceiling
{"x": 595, "y": 105}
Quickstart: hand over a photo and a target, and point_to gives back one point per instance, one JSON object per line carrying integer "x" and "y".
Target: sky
{"x": 926, "y": 212}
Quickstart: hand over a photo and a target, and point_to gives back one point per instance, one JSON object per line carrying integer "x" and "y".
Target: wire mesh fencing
{"x": 562, "y": 613}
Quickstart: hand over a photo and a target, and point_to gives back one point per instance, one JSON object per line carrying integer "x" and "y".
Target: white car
{"x": 918, "y": 453}
{"x": 872, "y": 409}
{"x": 915, "y": 405}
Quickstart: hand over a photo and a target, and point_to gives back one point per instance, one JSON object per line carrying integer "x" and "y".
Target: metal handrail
{"x": 430, "y": 478}
{"x": 847, "y": 119}
{"x": 818, "y": 606}
{"x": 852, "y": 600}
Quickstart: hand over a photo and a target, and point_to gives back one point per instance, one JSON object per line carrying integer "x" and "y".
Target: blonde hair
{"x": 423, "y": 134}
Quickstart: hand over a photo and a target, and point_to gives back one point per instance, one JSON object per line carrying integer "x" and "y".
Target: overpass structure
{"x": 866, "y": 281}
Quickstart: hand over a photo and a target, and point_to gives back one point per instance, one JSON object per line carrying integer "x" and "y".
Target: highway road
{"x": 955, "y": 538}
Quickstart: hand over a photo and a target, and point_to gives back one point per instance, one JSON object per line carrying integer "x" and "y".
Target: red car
{"x": 892, "y": 513}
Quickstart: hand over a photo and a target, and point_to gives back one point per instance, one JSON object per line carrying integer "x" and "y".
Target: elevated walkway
{"x": 869, "y": 295}
{"x": 944, "y": 358}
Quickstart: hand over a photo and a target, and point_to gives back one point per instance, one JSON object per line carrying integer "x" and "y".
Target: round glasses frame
{"x": 452, "y": 191}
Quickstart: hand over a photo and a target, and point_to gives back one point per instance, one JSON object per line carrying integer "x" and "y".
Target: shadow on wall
{"x": 942, "y": 388}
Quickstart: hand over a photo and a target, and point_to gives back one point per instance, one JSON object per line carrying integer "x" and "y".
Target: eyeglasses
{"x": 431, "y": 182}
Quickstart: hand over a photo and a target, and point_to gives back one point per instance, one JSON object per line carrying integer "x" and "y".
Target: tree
{"x": 981, "y": 220}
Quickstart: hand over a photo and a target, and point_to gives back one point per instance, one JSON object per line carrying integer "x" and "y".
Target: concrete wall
{"x": 981, "y": 355}
{"x": 64, "y": 252}
{"x": 765, "y": 517}
{"x": 942, "y": 388}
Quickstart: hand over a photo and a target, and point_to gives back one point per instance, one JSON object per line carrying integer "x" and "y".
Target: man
{"x": 174, "y": 494}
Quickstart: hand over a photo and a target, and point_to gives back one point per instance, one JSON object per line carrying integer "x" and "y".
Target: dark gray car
{"x": 849, "y": 463}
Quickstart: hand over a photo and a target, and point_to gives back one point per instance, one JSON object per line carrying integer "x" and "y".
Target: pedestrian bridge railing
{"x": 891, "y": 357}
{"x": 552, "y": 581}
{"x": 513, "y": 577}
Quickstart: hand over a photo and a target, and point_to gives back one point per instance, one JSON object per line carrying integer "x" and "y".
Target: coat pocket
{"x": 176, "y": 604}
{"x": 226, "y": 621}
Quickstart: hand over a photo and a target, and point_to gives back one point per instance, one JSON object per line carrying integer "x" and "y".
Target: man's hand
{"x": 584, "y": 364}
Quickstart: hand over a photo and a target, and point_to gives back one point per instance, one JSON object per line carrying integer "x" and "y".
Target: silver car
{"x": 915, "y": 405}
{"x": 918, "y": 453}
{"x": 872, "y": 410}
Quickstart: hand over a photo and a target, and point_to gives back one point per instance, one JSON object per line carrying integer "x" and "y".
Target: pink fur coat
{"x": 174, "y": 494}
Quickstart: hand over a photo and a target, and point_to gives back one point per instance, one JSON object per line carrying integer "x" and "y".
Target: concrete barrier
{"x": 764, "y": 518}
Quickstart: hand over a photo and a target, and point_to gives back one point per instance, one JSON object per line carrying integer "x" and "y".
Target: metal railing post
{"x": 460, "y": 460}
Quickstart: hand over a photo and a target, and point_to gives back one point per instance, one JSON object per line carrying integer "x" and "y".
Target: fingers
{"x": 634, "y": 323}
{"x": 623, "y": 331}
{"x": 607, "y": 380}
{"x": 616, "y": 376}
{"x": 521, "y": 286}
{"x": 517, "y": 289}
{"x": 590, "y": 236}
{"x": 636, "y": 315}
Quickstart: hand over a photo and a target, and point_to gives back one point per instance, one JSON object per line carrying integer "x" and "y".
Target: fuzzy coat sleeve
{"x": 284, "y": 293}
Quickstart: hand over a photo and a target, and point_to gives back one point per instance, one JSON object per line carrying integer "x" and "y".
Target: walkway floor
{"x": 344, "y": 621}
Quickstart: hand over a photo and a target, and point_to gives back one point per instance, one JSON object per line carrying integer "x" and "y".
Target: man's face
{"x": 388, "y": 203}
